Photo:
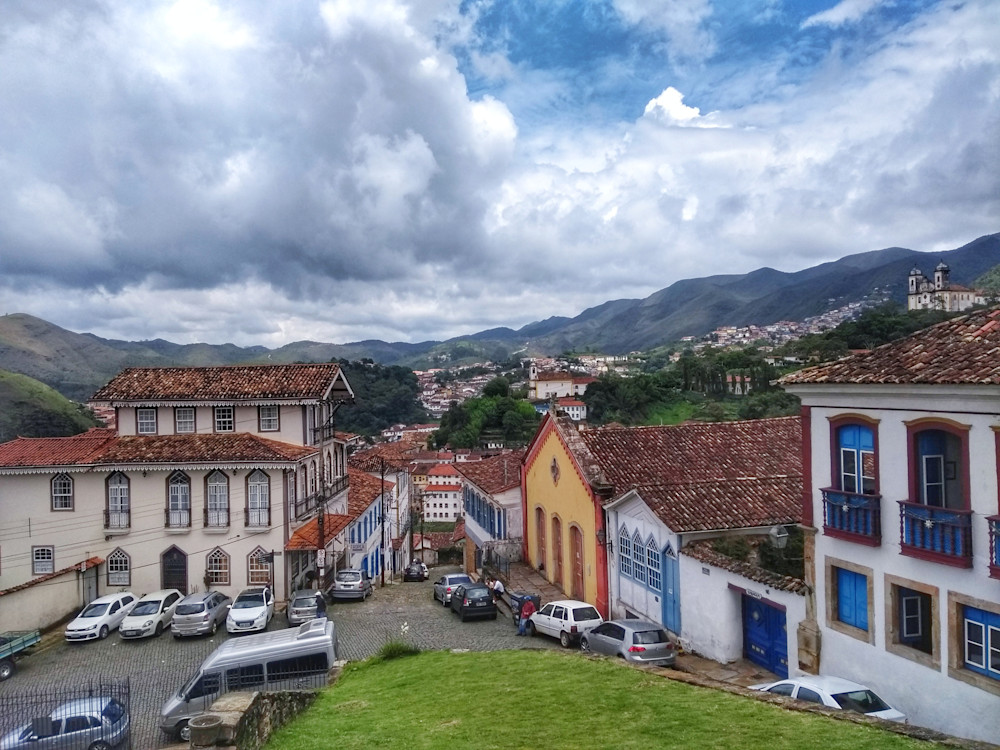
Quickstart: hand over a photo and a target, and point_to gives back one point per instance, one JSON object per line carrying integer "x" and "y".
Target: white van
{"x": 290, "y": 659}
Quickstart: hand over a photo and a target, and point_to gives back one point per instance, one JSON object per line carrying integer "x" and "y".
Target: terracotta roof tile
{"x": 363, "y": 491}
{"x": 208, "y": 447}
{"x": 232, "y": 383}
{"x": 960, "y": 351}
{"x": 703, "y": 552}
{"x": 443, "y": 470}
{"x": 496, "y": 474}
{"x": 58, "y": 451}
{"x": 90, "y": 562}
{"x": 435, "y": 539}
{"x": 442, "y": 488}
{"x": 306, "y": 537}
{"x": 390, "y": 455}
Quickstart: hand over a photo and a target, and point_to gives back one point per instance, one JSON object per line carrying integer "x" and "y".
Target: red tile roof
{"x": 443, "y": 470}
{"x": 443, "y": 488}
{"x": 435, "y": 539}
{"x": 90, "y": 562}
{"x": 58, "y": 451}
{"x": 388, "y": 456}
{"x": 960, "y": 351}
{"x": 364, "y": 490}
{"x": 703, "y": 552}
{"x": 307, "y": 382}
{"x": 496, "y": 474}
{"x": 306, "y": 537}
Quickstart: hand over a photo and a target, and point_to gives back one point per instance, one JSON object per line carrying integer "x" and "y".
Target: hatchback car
{"x": 351, "y": 584}
{"x": 833, "y": 692}
{"x": 302, "y": 607}
{"x": 444, "y": 585}
{"x": 566, "y": 620}
{"x": 251, "y": 611}
{"x": 95, "y": 723}
{"x": 151, "y": 614}
{"x": 100, "y": 617}
{"x": 414, "y": 572}
{"x": 200, "y": 614}
{"x": 632, "y": 640}
{"x": 473, "y": 600}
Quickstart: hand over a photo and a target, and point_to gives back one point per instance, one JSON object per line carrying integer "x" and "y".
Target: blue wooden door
{"x": 671, "y": 591}
{"x": 765, "y": 636}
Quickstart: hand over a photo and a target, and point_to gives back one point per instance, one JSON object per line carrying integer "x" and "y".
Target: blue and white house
{"x": 902, "y": 457}
{"x": 491, "y": 502}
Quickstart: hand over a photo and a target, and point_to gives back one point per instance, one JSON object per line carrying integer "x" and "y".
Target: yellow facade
{"x": 555, "y": 490}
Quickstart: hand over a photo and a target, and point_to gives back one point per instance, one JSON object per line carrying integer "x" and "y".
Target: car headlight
{"x": 147, "y": 623}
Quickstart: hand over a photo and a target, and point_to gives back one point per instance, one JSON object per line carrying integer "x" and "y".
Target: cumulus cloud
{"x": 844, "y": 12}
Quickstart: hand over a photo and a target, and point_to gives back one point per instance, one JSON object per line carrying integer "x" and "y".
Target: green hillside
{"x": 29, "y": 408}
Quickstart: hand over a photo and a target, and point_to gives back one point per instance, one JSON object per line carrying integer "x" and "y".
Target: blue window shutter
{"x": 852, "y": 598}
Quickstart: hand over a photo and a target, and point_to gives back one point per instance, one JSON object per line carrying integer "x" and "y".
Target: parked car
{"x": 251, "y": 611}
{"x": 151, "y": 614}
{"x": 95, "y": 723}
{"x": 833, "y": 692}
{"x": 473, "y": 600}
{"x": 444, "y": 585}
{"x": 100, "y": 617}
{"x": 566, "y": 620}
{"x": 351, "y": 584}
{"x": 633, "y": 640}
{"x": 414, "y": 571}
{"x": 200, "y": 613}
{"x": 302, "y": 607}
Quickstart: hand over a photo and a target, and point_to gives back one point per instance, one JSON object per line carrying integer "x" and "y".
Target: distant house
{"x": 491, "y": 500}
{"x": 442, "y": 495}
{"x": 545, "y": 385}
{"x": 903, "y": 462}
{"x": 939, "y": 293}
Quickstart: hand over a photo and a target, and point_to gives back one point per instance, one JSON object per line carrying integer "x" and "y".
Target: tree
{"x": 499, "y": 386}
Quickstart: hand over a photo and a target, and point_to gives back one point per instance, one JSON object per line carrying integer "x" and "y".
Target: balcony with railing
{"x": 178, "y": 520}
{"x": 117, "y": 521}
{"x": 216, "y": 518}
{"x": 942, "y": 535}
{"x": 258, "y": 518}
{"x": 306, "y": 506}
{"x": 856, "y": 518}
{"x": 994, "y": 522}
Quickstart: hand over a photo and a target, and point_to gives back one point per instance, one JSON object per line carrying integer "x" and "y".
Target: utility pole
{"x": 381, "y": 499}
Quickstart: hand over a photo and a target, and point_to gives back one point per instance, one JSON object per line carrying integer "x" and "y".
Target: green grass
{"x": 673, "y": 412}
{"x": 550, "y": 699}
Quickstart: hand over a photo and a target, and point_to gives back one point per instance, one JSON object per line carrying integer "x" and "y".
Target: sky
{"x": 261, "y": 173}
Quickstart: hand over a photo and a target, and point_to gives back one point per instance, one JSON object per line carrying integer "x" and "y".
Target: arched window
{"x": 638, "y": 558}
{"x": 62, "y": 492}
{"x": 117, "y": 514}
{"x": 217, "y": 568}
{"x": 178, "y": 501}
{"x": 258, "y": 510}
{"x": 624, "y": 553}
{"x": 653, "y": 564}
{"x": 856, "y": 459}
{"x": 312, "y": 477}
{"x": 258, "y": 568}
{"x": 119, "y": 567}
{"x": 217, "y": 500}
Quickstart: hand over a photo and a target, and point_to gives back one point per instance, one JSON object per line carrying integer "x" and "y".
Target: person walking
{"x": 320, "y": 605}
{"x": 527, "y": 610}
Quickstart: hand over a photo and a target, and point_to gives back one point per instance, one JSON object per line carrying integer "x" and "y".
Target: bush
{"x": 395, "y": 649}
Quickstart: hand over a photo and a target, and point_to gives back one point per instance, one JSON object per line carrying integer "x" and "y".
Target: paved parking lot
{"x": 158, "y": 667}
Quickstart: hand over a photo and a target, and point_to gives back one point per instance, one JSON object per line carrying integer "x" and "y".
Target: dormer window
{"x": 145, "y": 421}
{"x": 225, "y": 420}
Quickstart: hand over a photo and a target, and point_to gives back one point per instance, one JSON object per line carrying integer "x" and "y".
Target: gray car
{"x": 200, "y": 614}
{"x": 97, "y": 723}
{"x": 302, "y": 607}
{"x": 444, "y": 585}
{"x": 633, "y": 640}
{"x": 351, "y": 584}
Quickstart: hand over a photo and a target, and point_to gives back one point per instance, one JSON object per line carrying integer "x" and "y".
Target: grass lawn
{"x": 550, "y": 699}
{"x": 671, "y": 413}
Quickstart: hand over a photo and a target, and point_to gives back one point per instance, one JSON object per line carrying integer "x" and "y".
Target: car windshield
{"x": 304, "y": 601}
{"x": 94, "y": 610}
{"x": 190, "y": 609}
{"x": 113, "y": 711}
{"x": 650, "y": 636}
{"x": 477, "y": 592}
{"x": 146, "y": 608}
{"x": 250, "y": 601}
{"x": 458, "y": 579}
{"x": 585, "y": 613}
{"x": 862, "y": 701}
{"x": 348, "y": 577}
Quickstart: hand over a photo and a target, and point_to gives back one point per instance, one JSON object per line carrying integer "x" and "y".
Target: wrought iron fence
{"x": 91, "y": 715}
{"x": 499, "y": 554}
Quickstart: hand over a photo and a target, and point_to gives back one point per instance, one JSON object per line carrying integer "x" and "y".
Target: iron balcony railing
{"x": 117, "y": 519}
{"x": 848, "y": 515}
{"x": 258, "y": 518}
{"x": 307, "y": 505}
{"x": 994, "y": 522}
{"x": 940, "y": 534}
{"x": 216, "y": 518}
{"x": 177, "y": 519}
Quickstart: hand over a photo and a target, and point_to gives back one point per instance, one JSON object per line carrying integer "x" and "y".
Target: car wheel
{"x": 181, "y": 731}
{"x": 99, "y": 745}
{"x": 585, "y": 645}
{"x": 564, "y": 640}
{"x": 6, "y": 669}
{"x": 159, "y": 628}
{"x": 104, "y": 632}
{"x": 215, "y": 626}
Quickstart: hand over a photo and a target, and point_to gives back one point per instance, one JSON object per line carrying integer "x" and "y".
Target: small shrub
{"x": 395, "y": 650}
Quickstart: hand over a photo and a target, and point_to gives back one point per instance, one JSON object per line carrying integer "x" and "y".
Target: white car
{"x": 151, "y": 615}
{"x": 833, "y": 692}
{"x": 566, "y": 620}
{"x": 251, "y": 611}
{"x": 100, "y": 617}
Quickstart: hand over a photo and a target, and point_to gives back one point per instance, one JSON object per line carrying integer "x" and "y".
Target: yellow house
{"x": 563, "y": 487}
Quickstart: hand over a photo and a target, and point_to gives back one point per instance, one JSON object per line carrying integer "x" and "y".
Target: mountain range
{"x": 76, "y": 364}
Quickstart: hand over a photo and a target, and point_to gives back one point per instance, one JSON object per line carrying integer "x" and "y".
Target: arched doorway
{"x": 557, "y": 562}
{"x": 540, "y": 537}
{"x": 576, "y": 552}
{"x": 174, "y": 570}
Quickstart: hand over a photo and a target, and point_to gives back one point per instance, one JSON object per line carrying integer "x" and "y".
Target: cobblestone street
{"x": 157, "y": 667}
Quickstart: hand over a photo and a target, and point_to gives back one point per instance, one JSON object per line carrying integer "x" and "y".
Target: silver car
{"x": 444, "y": 585}
{"x": 633, "y": 640}
{"x": 200, "y": 614}
{"x": 97, "y": 723}
{"x": 351, "y": 584}
{"x": 302, "y": 607}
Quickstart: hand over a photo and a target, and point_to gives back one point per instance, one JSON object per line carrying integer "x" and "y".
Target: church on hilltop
{"x": 940, "y": 293}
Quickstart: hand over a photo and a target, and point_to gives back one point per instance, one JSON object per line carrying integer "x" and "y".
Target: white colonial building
{"x": 491, "y": 499}
{"x": 901, "y": 447}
